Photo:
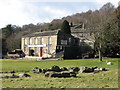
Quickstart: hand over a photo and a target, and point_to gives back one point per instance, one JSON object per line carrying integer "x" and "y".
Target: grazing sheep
{"x": 24, "y": 75}
{"x": 37, "y": 70}
{"x": 108, "y": 63}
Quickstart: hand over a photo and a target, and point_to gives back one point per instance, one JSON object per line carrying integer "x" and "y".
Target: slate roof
{"x": 55, "y": 32}
{"x": 80, "y": 30}
{"x": 44, "y": 33}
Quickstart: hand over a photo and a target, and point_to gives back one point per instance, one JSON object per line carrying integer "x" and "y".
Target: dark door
{"x": 41, "y": 51}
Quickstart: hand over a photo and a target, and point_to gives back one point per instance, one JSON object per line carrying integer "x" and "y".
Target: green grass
{"x": 105, "y": 79}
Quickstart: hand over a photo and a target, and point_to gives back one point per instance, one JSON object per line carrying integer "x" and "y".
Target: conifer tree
{"x": 65, "y": 28}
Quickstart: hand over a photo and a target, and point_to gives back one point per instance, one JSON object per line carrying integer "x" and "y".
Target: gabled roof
{"x": 44, "y": 33}
{"x": 55, "y": 32}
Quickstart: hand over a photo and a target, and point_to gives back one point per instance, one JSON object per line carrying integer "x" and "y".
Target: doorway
{"x": 31, "y": 52}
{"x": 41, "y": 51}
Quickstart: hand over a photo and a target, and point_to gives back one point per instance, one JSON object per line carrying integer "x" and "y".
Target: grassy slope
{"x": 85, "y": 80}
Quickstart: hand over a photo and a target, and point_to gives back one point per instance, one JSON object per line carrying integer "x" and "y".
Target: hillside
{"x": 91, "y": 19}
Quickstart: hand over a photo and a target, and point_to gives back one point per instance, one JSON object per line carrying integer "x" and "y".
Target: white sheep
{"x": 108, "y": 63}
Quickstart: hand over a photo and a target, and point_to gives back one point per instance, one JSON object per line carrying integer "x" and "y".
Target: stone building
{"x": 42, "y": 44}
{"x": 48, "y": 43}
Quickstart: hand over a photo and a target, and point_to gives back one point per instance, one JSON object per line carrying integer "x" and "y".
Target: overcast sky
{"x": 21, "y": 12}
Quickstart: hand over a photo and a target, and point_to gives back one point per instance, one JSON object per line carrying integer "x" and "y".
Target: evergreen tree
{"x": 7, "y": 31}
{"x": 65, "y": 28}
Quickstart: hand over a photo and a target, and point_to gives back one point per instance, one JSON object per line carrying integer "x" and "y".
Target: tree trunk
{"x": 100, "y": 53}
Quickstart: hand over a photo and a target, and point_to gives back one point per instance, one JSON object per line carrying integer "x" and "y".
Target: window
{"x": 30, "y": 41}
{"x": 76, "y": 42}
{"x": 35, "y": 49}
{"x": 64, "y": 42}
{"x": 61, "y": 47}
{"x": 24, "y": 49}
{"x": 35, "y": 41}
{"x": 85, "y": 34}
{"x": 69, "y": 40}
{"x": 24, "y": 41}
{"x": 57, "y": 47}
{"x": 38, "y": 40}
{"x": 49, "y": 50}
{"x": 45, "y": 50}
{"x": 42, "y": 41}
{"x": 49, "y": 40}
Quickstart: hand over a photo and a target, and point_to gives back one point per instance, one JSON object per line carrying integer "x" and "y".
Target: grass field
{"x": 104, "y": 79}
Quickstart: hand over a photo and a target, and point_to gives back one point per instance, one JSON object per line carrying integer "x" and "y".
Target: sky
{"x": 21, "y": 12}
